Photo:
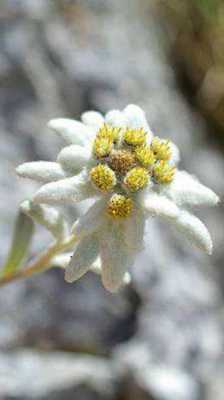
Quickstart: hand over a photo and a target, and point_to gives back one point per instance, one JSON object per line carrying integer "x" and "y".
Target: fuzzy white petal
{"x": 73, "y": 189}
{"x": 136, "y": 118}
{"x": 158, "y": 205}
{"x": 73, "y": 132}
{"x": 41, "y": 171}
{"x": 134, "y": 227}
{"x": 194, "y": 230}
{"x": 91, "y": 220}
{"x": 116, "y": 118}
{"x": 187, "y": 190}
{"x": 175, "y": 154}
{"x": 92, "y": 118}
{"x": 82, "y": 259}
{"x": 49, "y": 217}
{"x": 96, "y": 267}
{"x": 116, "y": 257}
{"x": 74, "y": 157}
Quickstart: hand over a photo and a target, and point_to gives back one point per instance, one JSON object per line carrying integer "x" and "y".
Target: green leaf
{"x": 23, "y": 232}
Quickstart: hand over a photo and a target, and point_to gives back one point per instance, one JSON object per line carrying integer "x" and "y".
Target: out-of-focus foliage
{"x": 199, "y": 50}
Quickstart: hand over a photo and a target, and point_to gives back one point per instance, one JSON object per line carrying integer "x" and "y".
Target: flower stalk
{"x": 42, "y": 263}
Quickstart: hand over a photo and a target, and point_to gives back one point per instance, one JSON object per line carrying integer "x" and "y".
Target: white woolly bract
{"x": 136, "y": 118}
{"x": 91, "y": 220}
{"x": 73, "y": 189}
{"x": 133, "y": 230}
{"x": 187, "y": 190}
{"x": 85, "y": 254}
{"x": 194, "y": 230}
{"x": 116, "y": 118}
{"x": 116, "y": 257}
{"x": 73, "y": 158}
{"x": 175, "y": 154}
{"x": 92, "y": 118}
{"x": 42, "y": 171}
{"x": 73, "y": 132}
{"x": 157, "y": 205}
{"x": 49, "y": 217}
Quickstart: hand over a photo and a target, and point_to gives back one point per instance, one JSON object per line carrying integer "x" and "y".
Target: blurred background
{"x": 162, "y": 337}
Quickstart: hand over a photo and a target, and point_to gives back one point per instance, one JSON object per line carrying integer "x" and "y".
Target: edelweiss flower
{"x": 131, "y": 175}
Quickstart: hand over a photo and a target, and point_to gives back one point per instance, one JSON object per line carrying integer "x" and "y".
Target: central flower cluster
{"x": 126, "y": 163}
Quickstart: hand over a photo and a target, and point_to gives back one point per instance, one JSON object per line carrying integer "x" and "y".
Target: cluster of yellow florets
{"x": 135, "y": 137}
{"x": 163, "y": 172}
{"x": 145, "y": 155}
{"x": 137, "y": 178}
{"x": 119, "y": 206}
{"x": 105, "y": 139}
{"x": 129, "y": 163}
{"x": 103, "y": 177}
{"x": 161, "y": 149}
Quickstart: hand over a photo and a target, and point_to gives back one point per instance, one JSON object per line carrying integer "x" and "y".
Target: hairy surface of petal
{"x": 116, "y": 257}
{"x": 73, "y": 132}
{"x": 91, "y": 220}
{"x": 175, "y": 154}
{"x": 73, "y": 189}
{"x": 157, "y": 205}
{"x": 195, "y": 231}
{"x": 134, "y": 228}
{"x": 83, "y": 257}
{"x": 116, "y": 118}
{"x": 92, "y": 118}
{"x": 49, "y": 217}
{"x": 187, "y": 190}
{"x": 41, "y": 171}
{"x": 74, "y": 157}
{"x": 136, "y": 118}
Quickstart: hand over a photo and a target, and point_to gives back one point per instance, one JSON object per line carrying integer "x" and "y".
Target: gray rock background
{"x": 162, "y": 337}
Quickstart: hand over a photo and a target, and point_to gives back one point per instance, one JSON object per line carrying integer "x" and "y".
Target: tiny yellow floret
{"x": 102, "y": 147}
{"x": 122, "y": 161}
{"x": 119, "y": 206}
{"x": 163, "y": 172}
{"x": 161, "y": 149}
{"x": 103, "y": 177}
{"x": 137, "y": 178}
{"x": 109, "y": 132}
{"x": 145, "y": 155}
{"x": 135, "y": 137}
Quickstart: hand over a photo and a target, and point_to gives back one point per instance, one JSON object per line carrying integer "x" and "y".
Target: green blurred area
{"x": 199, "y": 52}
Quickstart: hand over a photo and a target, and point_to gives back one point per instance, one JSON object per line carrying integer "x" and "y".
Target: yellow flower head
{"x": 161, "y": 149}
{"x": 102, "y": 147}
{"x": 137, "y": 178}
{"x": 163, "y": 172}
{"x": 109, "y": 132}
{"x": 135, "y": 137}
{"x": 119, "y": 206}
{"x": 145, "y": 155}
{"x": 122, "y": 161}
{"x": 103, "y": 177}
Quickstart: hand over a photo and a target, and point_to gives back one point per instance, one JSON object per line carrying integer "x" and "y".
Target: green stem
{"x": 42, "y": 263}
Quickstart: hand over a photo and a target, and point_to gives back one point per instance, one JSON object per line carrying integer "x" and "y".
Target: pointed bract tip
{"x": 54, "y": 123}
{"x": 69, "y": 278}
{"x": 20, "y": 170}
